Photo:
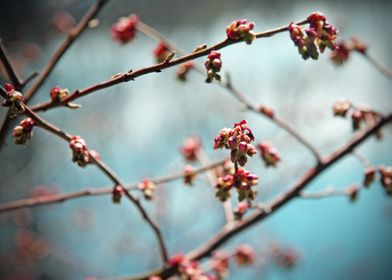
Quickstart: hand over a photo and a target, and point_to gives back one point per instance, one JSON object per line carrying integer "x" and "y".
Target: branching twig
{"x": 9, "y": 69}
{"x": 49, "y": 199}
{"x": 225, "y": 234}
{"x": 330, "y": 191}
{"x": 101, "y": 165}
{"x": 211, "y": 176}
{"x": 72, "y": 36}
{"x": 132, "y": 75}
{"x": 154, "y": 34}
{"x": 383, "y": 70}
{"x": 278, "y": 121}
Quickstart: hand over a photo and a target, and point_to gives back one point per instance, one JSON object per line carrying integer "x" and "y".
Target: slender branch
{"x": 9, "y": 69}
{"x": 154, "y": 34}
{"x": 72, "y": 36}
{"x": 361, "y": 158}
{"x": 277, "y": 120}
{"x": 102, "y": 166}
{"x": 294, "y": 191}
{"x": 49, "y": 199}
{"x": 132, "y": 75}
{"x": 381, "y": 68}
{"x": 331, "y": 191}
{"x": 211, "y": 176}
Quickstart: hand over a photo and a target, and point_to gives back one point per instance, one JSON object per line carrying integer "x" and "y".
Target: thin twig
{"x": 72, "y": 36}
{"x": 50, "y": 199}
{"x": 211, "y": 176}
{"x": 9, "y": 69}
{"x": 381, "y": 68}
{"x": 294, "y": 191}
{"x": 361, "y": 158}
{"x": 154, "y": 34}
{"x": 277, "y": 120}
{"x": 102, "y": 166}
{"x": 132, "y": 75}
{"x": 330, "y": 191}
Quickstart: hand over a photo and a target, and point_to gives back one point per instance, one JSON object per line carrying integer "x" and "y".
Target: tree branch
{"x": 49, "y": 199}
{"x": 9, "y": 69}
{"x": 102, "y": 166}
{"x": 154, "y": 34}
{"x": 330, "y": 192}
{"x": 72, "y": 36}
{"x": 132, "y": 75}
{"x": 381, "y": 68}
{"x": 294, "y": 191}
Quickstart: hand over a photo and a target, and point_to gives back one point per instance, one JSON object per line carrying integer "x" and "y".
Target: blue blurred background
{"x": 138, "y": 128}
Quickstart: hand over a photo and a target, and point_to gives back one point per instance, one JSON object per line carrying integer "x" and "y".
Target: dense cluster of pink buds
{"x": 23, "y": 132}
{"x": 183, "y": 70}
{"x": 244, "y": 255}
{"x": 341, "y": 107}
{"x": 238, "y": 141}
{"x": 191, "y": 148}
{"x": 213, "y": 65}
{"x": 242, "y": 180}
{"x": 117, "y": 193}
{"x": 189, "y": 175}
{"x": 57, "y": 94}
{"x": 386, "y": 178}
{"x": 161, "y": 52}
{"x": 269, "y": 153}
{"x": 370, "y": 175}
{"x": 147, "y": 187}
{"x": 241, "y": 209}
{"x": 241, "y": 29}
{"x": 80, "y": 153}
{"x": 342, "y": 50}
{"x": 14, "y": 100}
{"x": 316, "y": 38}
{"x": 124, "y": 30}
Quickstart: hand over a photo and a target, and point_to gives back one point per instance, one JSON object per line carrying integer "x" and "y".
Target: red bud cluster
{"x": 238, "y": 141}
{"x": 148, "y": 188}
{"x": 23, "y": 132}
{"x": 14, "y": 100}
{"x": 342, "y": 50}
{"x": 80, "y": 153}
{"x": 190, "y": 148}
{"x": 341, "y": 107}
{"x": 241, "y": 209}
{"x": 244, "y": 255}
{"x": 161, "y": 52}
{"x": 269, "y": 153}
{"x": 314, "y": 39}
{"x": 124, "y": 30}
{"x": 117, "y": 193}
{"x": 386, "y": 178}
{"x": 189, "y": 175}
{"x": 241, "y": 29}
{"x": 242, "y": 180}
{"x": 57, "y": 94}
{"x": 213, "y": 65}
{"x": 183, "y": 70}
